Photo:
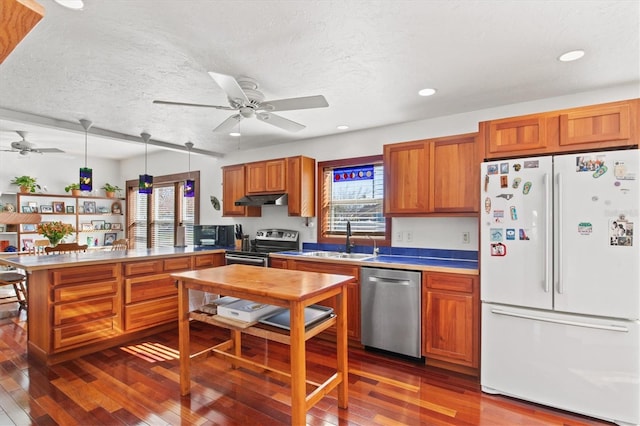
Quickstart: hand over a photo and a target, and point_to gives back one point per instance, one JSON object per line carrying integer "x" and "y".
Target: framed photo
{"x": 46, "y": 209}
{"x": 116, "y": 226}
{"x": 27, "y": 244}
{"x": 3, "y": 227}
{"x": 103, "y": 209}
{"x": 86, "y": 227}
{"x": 109, "y": 238}
{"x": 58, "y": 206}
{"x": 26, "y": 209}
{"x": 28, "y": 227}
{"x": 98, "y": 225}
{"x": 80, "y": 209}
{"x": 89, "y": 207}
{"x": 70, "y": 209}
{"x": 107, "y": 226}
{"x": 116, "y": 208}
{"x": 33, "y": 205}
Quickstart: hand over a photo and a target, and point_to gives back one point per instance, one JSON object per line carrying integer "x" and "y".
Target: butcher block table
{"x": 294, "y": 290}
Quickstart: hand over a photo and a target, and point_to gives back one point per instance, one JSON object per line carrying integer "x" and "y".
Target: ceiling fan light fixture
{"x": 145, "y": 181}
{"x": 71, "y": 4}
{"x": 189, "y": 184}
{"x": 342, "y": 127}
{"x": 572, "y": 55}
{"x": 427, "y": 92}
{"x": 86, "y": 173}
{"x": 235, "y": 134}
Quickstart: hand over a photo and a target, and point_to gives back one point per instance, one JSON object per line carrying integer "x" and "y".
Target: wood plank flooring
{"x": 139, "y": 385}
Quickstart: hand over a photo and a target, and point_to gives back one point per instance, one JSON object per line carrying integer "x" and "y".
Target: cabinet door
{"x": 266, "y": 176}
{"x": 406, "y": 183}
{"x": 301, "y": 186}
{"x": 455, "y": 174}
{"x": 599, "y": 126}
{"x": 451, "y": 318}
{"x": 233, "y": 188}
{"x": 521, "y": 135}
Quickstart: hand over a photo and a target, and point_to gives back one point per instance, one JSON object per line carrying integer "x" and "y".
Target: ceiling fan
{"x": 245, "y": 98}
{"x": 24, "y": 147}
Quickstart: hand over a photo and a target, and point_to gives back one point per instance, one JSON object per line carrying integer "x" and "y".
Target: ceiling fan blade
{"x": 281, "y": 122}
{"x": 228, "y": 124}
{"x": 47, "y": 150}
{"x": 194, "y": 105}
{"x": 290, "y": 104}
{"x": 230, "y": 87}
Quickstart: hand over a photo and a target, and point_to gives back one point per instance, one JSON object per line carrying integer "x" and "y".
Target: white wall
{"x": 426, "y": 232}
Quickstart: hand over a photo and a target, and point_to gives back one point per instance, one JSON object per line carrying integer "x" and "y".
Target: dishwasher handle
{"x": 386, "y": 280}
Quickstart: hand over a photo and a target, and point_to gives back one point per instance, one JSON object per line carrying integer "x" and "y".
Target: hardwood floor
{"x": 139, "y": 385}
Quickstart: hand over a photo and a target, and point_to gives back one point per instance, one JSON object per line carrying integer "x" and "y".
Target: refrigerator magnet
{"x": 498, "y": 249}
{"x": 487, "y": 205}
{"x": 498, "y": 216}
{"x": 526, "y": 188}
{"x": 514, "y": 214}
{"x": 486, "y": 183}
{"x": 495, "y": 234}
{"x": 602, "y": 170}
{"x": 585, "y": 228}
{"x": 517, "y": 167}
{"x": 522, "y": 233}
{"x": 531, "y": 164}
{"x": 505, "y": 196}
{"x": 504, "y": 181}
{"x": 492, "y": 169}
{"x": 516, "y": 183}
{"x": 504, "y": 168}
{"x": 510, "y": 234}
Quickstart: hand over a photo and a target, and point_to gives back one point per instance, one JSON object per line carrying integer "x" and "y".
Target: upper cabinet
{"x": 432, "y": 177}
{"x": 294, "y": 176}
{"x": 601, "y": 126}
{"x": 266, "y": 176}
{"x": 18, "y": 17}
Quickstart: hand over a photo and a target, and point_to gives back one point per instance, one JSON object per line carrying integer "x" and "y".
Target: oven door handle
{"x": 247, "y": 259}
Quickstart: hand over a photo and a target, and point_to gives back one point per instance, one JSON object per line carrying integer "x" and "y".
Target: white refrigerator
{"x": 560, "y": 282}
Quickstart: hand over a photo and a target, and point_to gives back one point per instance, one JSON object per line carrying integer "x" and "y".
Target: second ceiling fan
{"x": 245, "y": 98}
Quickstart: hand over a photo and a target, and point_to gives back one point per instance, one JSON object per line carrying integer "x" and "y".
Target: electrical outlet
{"x": 408, "y": 236}
{"x": 466, "y": 238}
{"x": 399, "y": 236}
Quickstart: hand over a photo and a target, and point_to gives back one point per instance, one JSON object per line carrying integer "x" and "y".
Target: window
{"x": 352, "y": 190}
{"x": 153, "y": 219}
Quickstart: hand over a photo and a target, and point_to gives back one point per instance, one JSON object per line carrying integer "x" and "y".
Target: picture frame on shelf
{"x": 116, "y": 208}
{"x": 86, "y": 227}
{"x": 109, "y": 238}
{"x": 28, "y": 227}
{"x": 116, "y": 226}
{"x": 3, "y": 227}
{"x": 34, "y": 206}
{"x": 80, "y": 209}
{"x": 58, "y": 206}
{"x": 71, "y": 209}
{"x": 26, "y": 209}
{"x": 107, "y": 226}
{"x": 46, "y": 209}
{"x": 27, "y": 244}
{"x": 89, "y": 207}
{"x": 9, "y": 207}
{"x": 98, "y": 225}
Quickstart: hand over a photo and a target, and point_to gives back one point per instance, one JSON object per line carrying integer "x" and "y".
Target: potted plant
{"x": 26, "y": 183}
{"x": 74, "y": 188}
{"x": 111, "y": 190}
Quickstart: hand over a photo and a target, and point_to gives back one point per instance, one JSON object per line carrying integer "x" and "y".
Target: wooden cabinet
{"x": 265, "y": 177}
{"x": 432, "y": 176}
{"x": 278, "y": 263}
{"x": 451, "y": 319}
{"x": 301, "y": 186}
{"x": 208, "y": 260}
{"x": 586, "y": 128}
{"x": 294, "y": 176}
{"x": 353, "y": 290}
{"x": 233, "y": 188}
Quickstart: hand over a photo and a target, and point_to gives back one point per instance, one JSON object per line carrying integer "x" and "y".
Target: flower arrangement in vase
{"x": 55, "y": 231}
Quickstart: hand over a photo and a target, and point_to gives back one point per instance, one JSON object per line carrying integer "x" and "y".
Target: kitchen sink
{"x": 338, "y": 255}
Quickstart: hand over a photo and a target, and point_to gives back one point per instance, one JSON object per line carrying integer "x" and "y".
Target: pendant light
{"x": 189, "y": 184}
{"x": 86, "y": 174}
{"x": 145, "y": 183}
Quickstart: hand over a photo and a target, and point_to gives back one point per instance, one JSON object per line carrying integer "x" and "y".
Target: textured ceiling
{"x": 108, "y": 62}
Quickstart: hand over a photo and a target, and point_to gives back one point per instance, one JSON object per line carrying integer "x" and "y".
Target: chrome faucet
{"x": 376, "y": 250}
{"x": 348, "y": 245}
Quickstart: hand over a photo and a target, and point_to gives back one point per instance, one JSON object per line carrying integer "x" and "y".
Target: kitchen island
{"x": 294, "y": 290}
{"x": 81, "y": 303}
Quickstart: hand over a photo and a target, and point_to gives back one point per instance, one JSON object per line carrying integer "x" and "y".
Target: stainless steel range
{"x": 267, "y": 241}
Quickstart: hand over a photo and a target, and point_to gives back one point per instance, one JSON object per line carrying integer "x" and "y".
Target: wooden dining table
{"x": 295, "y": 290}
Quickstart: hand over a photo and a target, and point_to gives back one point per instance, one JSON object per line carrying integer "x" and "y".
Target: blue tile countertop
{"x": 434, "y": 260}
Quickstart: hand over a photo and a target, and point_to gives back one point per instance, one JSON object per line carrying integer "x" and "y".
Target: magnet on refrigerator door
{"x": 522, "y": 233}
{"x": 589, "y": 163}
{"x": 526, "y": 188}
{"x": 498, "y": 216}
{"x": 516, "y": 167}
{"x": 487, "y": 205}
{"x": 531, "y": 164}
{"x": 510, "y": 234}
{"x": 585, "y": 228}
{"x": 505, "y": 196}
{"x": 516, "y": 183}
{"x": 504, "y": 168}
{"x": 621, "y": 232}
{"x": 514, "y": 214}
{"x": 602, "y": 170}
{"x": 504, "y": 181}
{"x": 492, "y": 169}
{"x": 495, "y": 234}
{"x": 498, "y": 249}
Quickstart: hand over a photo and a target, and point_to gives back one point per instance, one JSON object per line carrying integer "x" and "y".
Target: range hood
{"x": 263, "y": 200}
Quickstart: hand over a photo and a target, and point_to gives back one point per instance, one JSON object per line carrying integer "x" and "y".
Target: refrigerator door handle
{"x": 547, "y": 240}
{"x": 617, "y": 328}
{"x": 560, "y": 286}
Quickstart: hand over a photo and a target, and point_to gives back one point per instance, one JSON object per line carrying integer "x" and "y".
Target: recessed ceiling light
{"x": 71, "y": 4}
{"x": 342, "y": 127}
{"x": 235, "y": 134}
{"x": 427, "y": 92}
{"x": 571, "y": 56}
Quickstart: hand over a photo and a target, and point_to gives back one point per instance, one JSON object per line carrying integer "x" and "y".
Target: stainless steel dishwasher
{"x": 390, "y": 315}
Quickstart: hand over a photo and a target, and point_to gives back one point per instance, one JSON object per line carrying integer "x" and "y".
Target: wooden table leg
{"x": 236, "y": 338}
{"x": 298, "y": 365}
{"x": 341, "y": 348}
{"x": 183, "y": 339}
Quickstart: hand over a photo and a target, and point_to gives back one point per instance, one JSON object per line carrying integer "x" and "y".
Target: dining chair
{"x": 120, "y": 244}
{"x": 19, "y": 283}
{"x": 66, "y": 248}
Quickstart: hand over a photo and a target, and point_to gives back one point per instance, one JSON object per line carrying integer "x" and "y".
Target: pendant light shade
{"x": 145, "y": 182}
{"x": 189, "y": 184}
{"x": 86, "y": 174}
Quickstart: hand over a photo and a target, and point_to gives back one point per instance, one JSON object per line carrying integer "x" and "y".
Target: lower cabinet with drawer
{"x": 451, "y": 322}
